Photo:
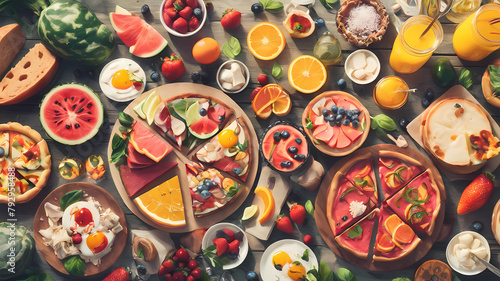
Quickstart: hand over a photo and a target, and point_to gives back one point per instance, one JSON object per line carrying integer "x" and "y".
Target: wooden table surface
{"x": 27, "y": 113}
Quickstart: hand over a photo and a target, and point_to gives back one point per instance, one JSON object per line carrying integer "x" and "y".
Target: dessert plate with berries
{"x": 226, "y": 244}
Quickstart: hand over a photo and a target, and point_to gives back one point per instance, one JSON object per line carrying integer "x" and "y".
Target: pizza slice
{"x": 4, "y": 145}
{"x": 360, "y": 173}
{"x": 356, "y": 239}
{"x": 210, "y": 190}
{"x": 34, "y": 157}
{"x": 345, "y": 204}
{"x": 12, "y": 180}
{"x": 395, "y": 239}
{"x": 228, "y": 151}
{"x": 418, "y": 203}
{"x": 396, "y": 170}
{"x": 20, "y": 144}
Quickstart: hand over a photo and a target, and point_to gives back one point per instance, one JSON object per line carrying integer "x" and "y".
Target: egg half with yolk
{"x": 96, "y": 245}
{"x": 81, "y": 217}
{"x": 122, "y": 80}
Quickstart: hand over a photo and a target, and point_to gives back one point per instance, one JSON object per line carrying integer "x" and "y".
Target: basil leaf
{"x": 495, "y": 78}
{"x": 385, "y": 122}
{"x": 231, "y": 48}
{"x": 125, "y": 119}
{"x": 455, "y": 278}
{"x": 75, "y": 265}
{"x": 309, "y": 208}
{"x": 274, "y": 7}
{"x": 355, "y": 231}
{"x": 277, "y": 71}
{"x": 305, "y": 255}
{"x": 309, "y": 124}
{"x": 401, "y": 279}
{"x": 345, "y": 275}
{"x": 117, "y": 142}
{"x": 466, "y": 78}
{"x": 140, "y": 254}
{"x": 325, "y": 272}
{"x": 70, "y": 198}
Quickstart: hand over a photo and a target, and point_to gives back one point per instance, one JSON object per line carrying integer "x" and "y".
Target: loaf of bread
{"x": 30, "y": 75}
{"x": 11, "y": 41}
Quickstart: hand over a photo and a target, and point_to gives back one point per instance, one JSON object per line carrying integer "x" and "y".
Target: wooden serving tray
{"x": 170, "y": 91}
{"x": 327, "y": 234}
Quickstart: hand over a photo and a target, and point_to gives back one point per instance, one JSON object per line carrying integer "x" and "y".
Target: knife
{"x": 487, "y": 264}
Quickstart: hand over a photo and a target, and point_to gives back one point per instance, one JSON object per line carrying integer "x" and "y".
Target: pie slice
{"x": 396, "y": 170}
{"x": 360, "y": 173}
{"x": 345, "y": 204}
{"x": 418, "y": 203}
{"x": 395, "y": 239}
{"x": 210, "y": 190}
{"x": 356, "y": 239}
{"x": 228, "y": 151}
{"x": 136, "y": 180}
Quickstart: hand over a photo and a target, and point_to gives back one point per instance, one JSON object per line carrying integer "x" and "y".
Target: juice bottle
{"x": 477, "y": 37}
{"x": 410, "y": 51}
{"x": 386, "y": 93}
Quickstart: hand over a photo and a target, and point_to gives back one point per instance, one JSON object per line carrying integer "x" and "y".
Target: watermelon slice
{"x": 351, "y": 133}
{"x": 325, "y": 135}
{"x": 343, "y": 141}
{"x": 144, "y": 41}
{"x": 204, "y": 128}
{"x": 333, "y": 141}
{"x": 135, "y": 180}
{"x": 147, "y": 143}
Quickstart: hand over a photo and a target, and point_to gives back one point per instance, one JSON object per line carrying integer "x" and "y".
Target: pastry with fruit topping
{"x": 360, "y": 173}
{"x": 356, "y": 239}
{"x": 396, "y": 170}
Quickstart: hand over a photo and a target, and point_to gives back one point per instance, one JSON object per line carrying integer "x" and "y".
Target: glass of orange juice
{"x": 410, "y": 51}
{"x": 479, "y": 35}
{"x": 389, "y": 93}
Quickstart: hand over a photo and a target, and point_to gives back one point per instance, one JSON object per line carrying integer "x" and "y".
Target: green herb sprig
{"x": 119, "y": 143}
{"x": 272, "y": 6}
{"x": 231, "y": 48}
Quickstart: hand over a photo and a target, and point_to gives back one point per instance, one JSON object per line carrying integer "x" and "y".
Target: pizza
{"x": 356, "y": 239}
{"x": 396, "y": 170}
{"x": 25, "y": 162}
{"x": 360, "y": 173}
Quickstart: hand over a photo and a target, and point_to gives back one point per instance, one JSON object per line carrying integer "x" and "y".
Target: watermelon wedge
{"x": 135, "y": 180}
{"x": 147, "y": 143}
{"x": 144, "y": 41}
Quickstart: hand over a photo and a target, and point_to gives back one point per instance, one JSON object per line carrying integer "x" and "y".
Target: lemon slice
{"x": 249, "y": 212}
{"x": 150, "y": 105}
{"x": 138, "y": 109}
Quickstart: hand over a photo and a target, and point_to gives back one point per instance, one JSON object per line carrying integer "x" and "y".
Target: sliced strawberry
{"x": 234, "y": 247}
{"x": 221, "y": 246}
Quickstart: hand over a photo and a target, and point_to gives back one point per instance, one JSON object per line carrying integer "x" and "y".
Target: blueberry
{"x": 348, "y": 113}
{"x": 141, "y": 269}
{"x": 205, "y": 78}
{"x": 77, "y": 72}
{"x": 355, "y": 123}
{"x": 320, "y": 22}
{"x": 195, "y": 76}
{"x": 2, "y": 152}
{"x": 205, "y": 194}
{"x": 328, "y": 118}
{"x": 298, "y": 141}
{"x": 232, "y": 256}
{"x": 324, "y": 112}
{"x": 332, "y": 123}
{"x": 477, "y": 226}
{"x": 207, "y": 182}
{"x": 339, "y": 117}
{"x": 355, "y": 117}
{"x": 341, "y": 111}
{"x": 277, "y": 136}
{"x": 338, "y": 123}
{"x": 356, "y": 111}
{"x": 300, "y": 157}
{"x": 346, "y": 122}
{"x": 197, "y": 13}
{"x": 335, "y": 109}
{"x": 238, "y": 236}
{"x": 292, "y": 150}
{"x": 145, "y": 9}
{"x": 425, "y": 102}
{"x": 285, "y": 134}
{"x": 344, "y": 218}
{"x": 221, "y": 117}
{"x": 202, "y": 188}
{"x": 342, "y": 83}
{"x": 155, "y": 76}
{"x": 403, "y": 123}
{"x": 251, "y": 276}
{"x": 286, "y": 164}
{"x": 257, "y": 8}
{"x": 203, "y": 112}
{"x": 237, "y": 171}
{"x": 429, "y": 94}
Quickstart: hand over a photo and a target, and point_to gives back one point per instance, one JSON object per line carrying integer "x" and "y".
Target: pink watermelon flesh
{"x": 351, "y": 133}
{"x": 320, "y": 129}
{"x": 326, "y": 135}
{"x": 129, "y": 27}
{"x": 214, "y": 114}
{"x": 135, "y": 180}
{"x": 204, "y": 126}
{"x": 149, "y": 43}
{"x": 148, "y": 143}
{"x": 312, "y": 116}
{"x": 343, "y": 141}
{"x": 226, "y": 164}
{"x": 320, "y": 120}
{"x": 333, "y": 141}
{"x": 136, "y": 159}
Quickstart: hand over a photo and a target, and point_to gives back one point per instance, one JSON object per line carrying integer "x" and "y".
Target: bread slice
{"x": 11, "y": 41}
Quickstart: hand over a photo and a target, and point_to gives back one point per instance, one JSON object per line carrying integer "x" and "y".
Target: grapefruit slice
{"x": 147, "y": 143}
{"x": 144, "y": 41}
{"x": 136, "y": 160}
{"x": 385, "y": 244}
{"x": 333, "y": 141}
{"x": 351, "y": 133}
{"x": 403, "y": 234}
{"x": 343, "y": 141}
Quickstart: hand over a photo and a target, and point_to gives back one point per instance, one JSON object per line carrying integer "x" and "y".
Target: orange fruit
{"x": 264, "y": 101}
{"x": 267, "y": 197}
{"x": 163, "y": 204}
{"x": 403, "y": 234}
{"x": 266, "y": 41}
{"x": 385, "y": 243}
{"x": 307, "y": 74}
{"x": 282, "y": 105}
{"x": 391, "y": 223}
{"x": 206, "y": 51}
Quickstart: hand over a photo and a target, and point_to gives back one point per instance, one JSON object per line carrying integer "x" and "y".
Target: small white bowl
{"x": 246, "y": 74}
{"x": 480, "y": 268}
{"x": 109, "y": 91}
{"x": 349, "y": 68}
{"x": 210, "y": 234}
{"x": 201, "y": 5}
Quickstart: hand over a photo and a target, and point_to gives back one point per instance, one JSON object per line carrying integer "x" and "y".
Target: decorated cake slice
{"x": 228, "y": 151}
{"x": 210, "y": 190}
{"x": 346, "y": 204}
{"x": 360, "y": 173}
{"x": 356, "y": 239}
{"x": 396, "y": 170}
{"x": 418, "y": 203}
{"x": 395, "y": 239}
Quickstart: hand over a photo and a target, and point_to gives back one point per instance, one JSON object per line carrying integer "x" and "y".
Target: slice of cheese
{"x": 458, "y": 152}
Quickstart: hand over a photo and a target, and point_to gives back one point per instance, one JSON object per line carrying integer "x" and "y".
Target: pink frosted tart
{"x": 360, "y": 173}
{"x": 396, "y": 170}
{"x": 356, "y": 239}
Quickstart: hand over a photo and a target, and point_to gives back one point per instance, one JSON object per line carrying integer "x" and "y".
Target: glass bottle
{"x": 327, "y": 49}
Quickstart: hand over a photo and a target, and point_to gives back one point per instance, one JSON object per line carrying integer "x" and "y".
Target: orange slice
{"x": 266, "y": 41}
{"x": 267, "y": 197}
{"x": 403, "y": 234}
{"x": 263, "y": 102}
{"x": 391, "y": 223}
{"x": 385, "y": 243}
{"x": 163, "y": 204}
{"x": 282, "y": 105}
{"x": 307, "y": 74}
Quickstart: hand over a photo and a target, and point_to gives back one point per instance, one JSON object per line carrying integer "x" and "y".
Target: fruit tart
{"x": 396, "y": 170}
{"x": 356, "y": 239}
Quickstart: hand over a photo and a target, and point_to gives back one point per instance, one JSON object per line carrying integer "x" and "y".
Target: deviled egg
{"x": 122, "y": 80}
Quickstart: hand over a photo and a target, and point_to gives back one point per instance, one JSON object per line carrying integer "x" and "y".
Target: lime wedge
{"x": 249, "y": 212}
{"x": 192, "y": 114}
{"x": 150, "y": 105}
{"x": 138, "y": 109}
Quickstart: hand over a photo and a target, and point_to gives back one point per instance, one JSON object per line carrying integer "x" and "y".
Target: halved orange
{"x": 385, "y": 243}
{"x": 391, "y": 223}
{"x": 267, "y": 197}
{"x": 403, "y": 234}
{"x": 282, "y": 105}
{"x": 266, "y": 41}
{"x": 264, "y": 100}
{"x": 163, "y": 204}
{"x": 307, "y": 74}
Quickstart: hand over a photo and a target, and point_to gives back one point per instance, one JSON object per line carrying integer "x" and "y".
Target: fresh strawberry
{"x": 476, "y": 194}
{"x": 192, "y": 3}
{"x": 119, "y": 274}
{"x": 168, "y": 4}
{"x": 234, "y": 247}
{"x": 254, "y": 92}
{"x": 169, "y": 277}
{"x": 182, "y": 265}
{"x": 263, "y": 79}
{"x": 186, "y": 12}
{"x": 180, "y": 25}
{"x": 171, "y": 12}
{"x": 307, "y": 239}
{"x": 192, "y": 264}
{"x": 196, "y": 273}
{"x": 167, "y": 19}
{"x": 182, "y": 255}
{"x": 221, "y": 246}
{"x": 173, "y": 67}
{"x": 190, "y": 278}
{"x": 229, "y": 233}
{"x": 193, "y": 24}
{"x": 209, "y": 5}
{"x": 284, "y": 224}
{"x": 168, "y": 266}
{"x": 231, "y": 19}
{"x": 179, "y": 276}
{"x": 180, "y": 3}
{"x": 298, "y": 213}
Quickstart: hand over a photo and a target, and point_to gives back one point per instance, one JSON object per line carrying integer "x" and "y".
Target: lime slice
{"x": 138, "y": 109}
{"x": 192, "y": 114}
{"x": 249, "y": 212}
{"x": 150, "y": 105}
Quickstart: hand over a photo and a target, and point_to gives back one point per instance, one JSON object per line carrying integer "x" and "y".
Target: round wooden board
{"x": 495, "y": 222}
{"x": 106, "y": 200}
{"x": 323, "y": 147}
{"x": 170, "y": 91}
{"x": 327, "y": 234}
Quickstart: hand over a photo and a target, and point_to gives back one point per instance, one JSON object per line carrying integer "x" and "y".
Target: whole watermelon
{"x": 73, "y": 32}
{"x": 24, "y": 249}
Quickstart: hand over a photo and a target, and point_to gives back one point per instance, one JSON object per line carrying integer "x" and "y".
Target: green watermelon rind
{"x": 24, "y": 250}
{"x": 70, "y": 30}
{"x": 91, "y": 94}
{"x": 201, "y": 135}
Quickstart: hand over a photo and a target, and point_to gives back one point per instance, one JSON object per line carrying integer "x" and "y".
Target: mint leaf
{"x": 231, "y": 48}
{"x": 125, "y": 119}
{"x": 383, "y": 121}
{"x": 355, "y": 232}
{"x": 277, "y": 71}
{"x": 272, "y": 6}
{"x": 305, "y": 255}
{"x": 345, "y": 275}
{"x": 309, "y": 208}
{"x": 495, "y": 78}
{"x": 309, "y": 124}
{"x": 466, "y": 78}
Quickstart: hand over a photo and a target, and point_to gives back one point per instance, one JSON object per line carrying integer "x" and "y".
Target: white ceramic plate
{"x": 295, "y": 249}
{"x": 108, "y": 89}
{"x": 462, "y": 270}
{"x": 349, "y": 67}
{"x": 201, "y": 5}
{"x": 210, "y": 234}
{"x": 246, "y": 74}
